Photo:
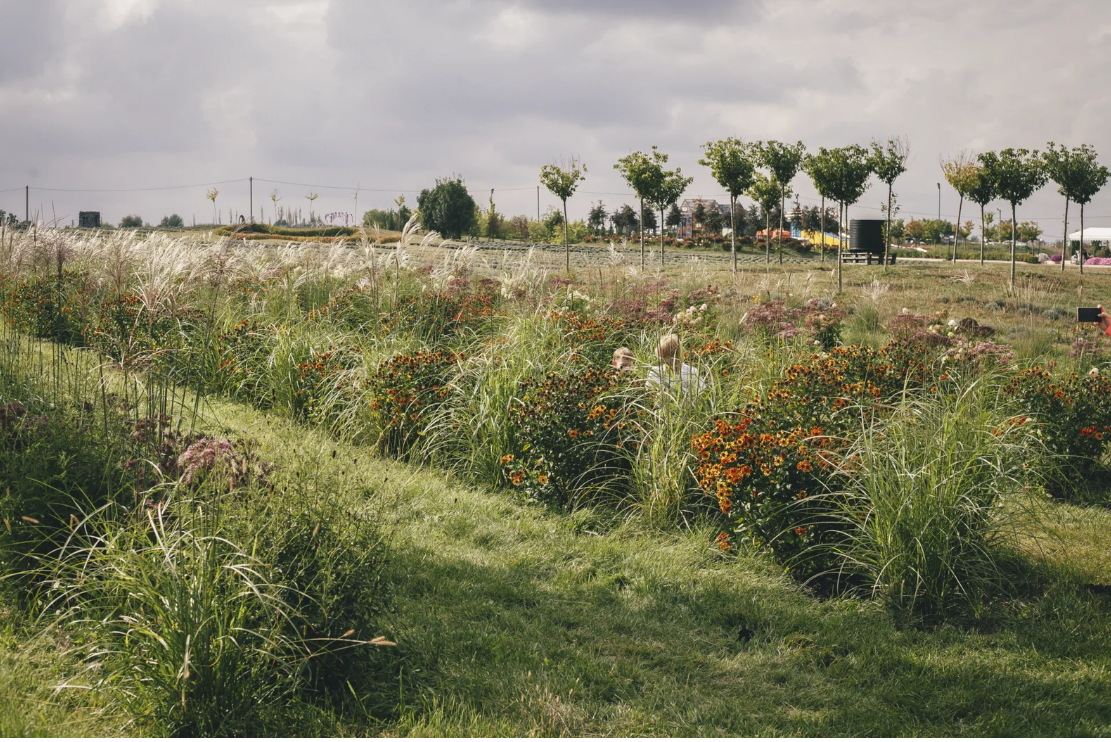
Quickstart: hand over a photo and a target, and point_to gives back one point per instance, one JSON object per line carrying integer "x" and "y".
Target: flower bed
{"x": 402, "y": 393}
{"x": 571, "y": 432}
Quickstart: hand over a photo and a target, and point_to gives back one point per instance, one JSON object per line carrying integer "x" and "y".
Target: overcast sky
{"x": 130, "y": 94}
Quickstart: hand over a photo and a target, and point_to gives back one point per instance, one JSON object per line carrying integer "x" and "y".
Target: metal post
{"x": 27, "y": 204}
{"x": 537, "y": 203}
{"x": 939, "y": 210}
{"x": 252, "y": 197}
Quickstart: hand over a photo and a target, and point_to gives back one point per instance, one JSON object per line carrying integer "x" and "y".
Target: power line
{"x": 336, "y": 187}
{"x": 133, "y": 190}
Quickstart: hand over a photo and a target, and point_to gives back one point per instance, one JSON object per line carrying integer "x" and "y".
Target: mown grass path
{"x": 513, "y": 619}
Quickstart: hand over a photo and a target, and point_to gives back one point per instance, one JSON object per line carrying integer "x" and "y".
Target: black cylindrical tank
{"x": 866, "y": 235}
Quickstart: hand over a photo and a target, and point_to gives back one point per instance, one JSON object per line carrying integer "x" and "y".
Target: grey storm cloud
{"x": 127, "y": 94}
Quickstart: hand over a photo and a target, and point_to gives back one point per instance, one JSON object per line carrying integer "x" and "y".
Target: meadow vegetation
{"x": 364, "y": 488}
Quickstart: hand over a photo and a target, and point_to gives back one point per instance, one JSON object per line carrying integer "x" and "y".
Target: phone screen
{"x": 1087, "y": 314}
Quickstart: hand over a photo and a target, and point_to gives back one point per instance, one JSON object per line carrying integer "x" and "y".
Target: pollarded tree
{"x": 765, "y": 191}
{"x": 733, "y": 165}
{"x": 275, "y": 199}
{"x": 1016, "y": 174}
{"x": 850, "y": 168}
{"x": 982, "y": 193}
{"x": 888, "y": 163}
{"x": 448, "y": 208}
{"x": 643, "y": 173}
{"x": 562, "y": 180}
{"x": 670, "y": 190}
{"x": 1075, "y": 172}
{"x": 1094, "y": 179}
{"x": 819, "y": 168}
{"x": 960, "y": 173}
{"x": 211, "y": 195}
{"x": 783, "y": 162}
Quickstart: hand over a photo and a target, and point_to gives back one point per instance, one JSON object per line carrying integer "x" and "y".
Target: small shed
{"x": 88, "y": 219}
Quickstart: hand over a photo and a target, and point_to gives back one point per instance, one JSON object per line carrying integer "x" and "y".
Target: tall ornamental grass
{"x": 932, "y": 499}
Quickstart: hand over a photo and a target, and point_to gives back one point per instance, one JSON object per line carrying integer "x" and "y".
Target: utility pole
{"x": 537, "y": 203}
{"x": 252, "y": 197}
{"x": 27, "y": 204}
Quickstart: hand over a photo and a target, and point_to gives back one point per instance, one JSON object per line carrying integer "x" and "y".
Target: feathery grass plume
{"x": 934, "y": 502}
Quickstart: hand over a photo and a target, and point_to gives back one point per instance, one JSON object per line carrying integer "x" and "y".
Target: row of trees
{"x": 764, "y": 171}
{"x": 841, "y": 174}
{"x": 1013, "y": 175}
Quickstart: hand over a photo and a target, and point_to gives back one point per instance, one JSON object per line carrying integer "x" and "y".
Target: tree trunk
{"x": 1081, "y": 241}
{"x": 662, "y": 237}
{"x": 983, "y": 233}
{"x": 822, "y": 230}
{"x": 779, "y": 237}
{"x": 642, "y": 234}
{"x": 767, "y": 237}
{"x": 957, "y": 227}
{"x": 887, "y": 234}
{"x": 840, "y": 239}
{"x": 733, "y": 231}
{"x": 566, "y": 240}
{"x": 1014, "y": 241}
{"x": 1065, "y": 237}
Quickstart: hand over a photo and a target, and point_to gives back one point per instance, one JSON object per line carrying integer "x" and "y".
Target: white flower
{"x": 952, "y": 323}
{"x": 1094, "y": 373}
{"x": 702, "y": 308}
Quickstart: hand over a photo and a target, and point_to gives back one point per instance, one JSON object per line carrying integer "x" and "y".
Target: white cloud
{"x": 117, "y": 13}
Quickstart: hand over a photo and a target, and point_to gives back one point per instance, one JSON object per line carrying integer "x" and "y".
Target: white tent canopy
{"x": 1093, "y": 234}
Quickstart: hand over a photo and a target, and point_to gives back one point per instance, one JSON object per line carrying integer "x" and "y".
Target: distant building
{"x": 687, "y": 226}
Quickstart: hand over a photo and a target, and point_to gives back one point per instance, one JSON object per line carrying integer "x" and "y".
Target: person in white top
{"x": 670, "y": 369}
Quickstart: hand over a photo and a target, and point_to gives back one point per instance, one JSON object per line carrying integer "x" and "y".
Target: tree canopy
{"x": 642, "y": 172}
{"x": 732, "y": 163}
{"x": 563, "y": 179}
{"x": 1015, "y": 173}
{"x": 448, "y": 208}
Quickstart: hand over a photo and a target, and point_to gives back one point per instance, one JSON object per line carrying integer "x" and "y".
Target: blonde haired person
{"x": 623, "y": 359}
{"x": 670, "y": 369}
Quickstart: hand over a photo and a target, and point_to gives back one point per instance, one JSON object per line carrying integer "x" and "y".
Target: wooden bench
{"x": 865, "y": 257}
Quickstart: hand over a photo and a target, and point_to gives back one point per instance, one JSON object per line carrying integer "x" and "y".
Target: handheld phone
{"x": 1087, "y": 314}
